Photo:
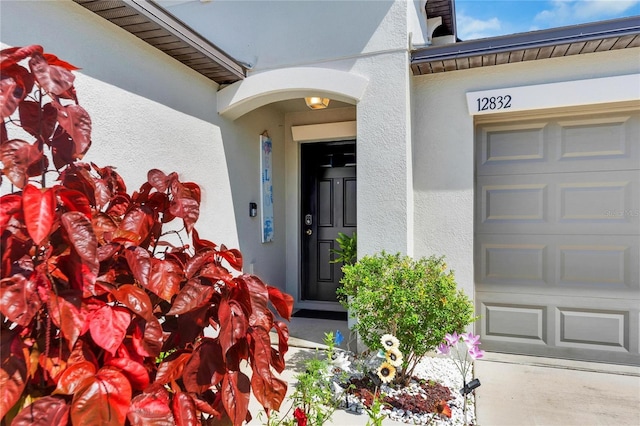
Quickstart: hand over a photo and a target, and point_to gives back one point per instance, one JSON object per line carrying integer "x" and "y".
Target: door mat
{"x": 328, "y": 315}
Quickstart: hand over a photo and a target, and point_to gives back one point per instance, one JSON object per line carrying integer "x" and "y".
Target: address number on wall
{"x": 493, "y": 103}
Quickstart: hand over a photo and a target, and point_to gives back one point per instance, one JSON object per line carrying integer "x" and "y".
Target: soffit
{"x": 531, "y": 46}
{"x": 149, "y": 22}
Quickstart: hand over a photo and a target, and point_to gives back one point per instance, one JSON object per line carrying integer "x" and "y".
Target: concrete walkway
{"x": 516, "y": 390}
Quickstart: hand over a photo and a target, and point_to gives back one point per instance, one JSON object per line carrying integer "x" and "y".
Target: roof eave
{"x": 212, "y": 62}
{"x": 432, "y": 59}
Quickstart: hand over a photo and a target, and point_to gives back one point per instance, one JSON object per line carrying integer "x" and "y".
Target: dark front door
{"x": 328, "y": 207}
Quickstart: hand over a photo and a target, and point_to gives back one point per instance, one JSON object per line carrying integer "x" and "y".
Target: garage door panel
{"x": 592, "y": 329}
{"x": 499, "y": 151}
{"x": 567, "y": 263}
{"x": 596, "y": 202}
{"x": 599, "y": 329}
{"x": 591, "y": 143}
{"x": 515, "y": 323}
{"x": 602, "y": 138}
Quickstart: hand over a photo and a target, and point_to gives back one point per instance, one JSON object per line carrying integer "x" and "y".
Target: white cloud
{"x": 566, "y": 12}
{"x": 471, "y": 28}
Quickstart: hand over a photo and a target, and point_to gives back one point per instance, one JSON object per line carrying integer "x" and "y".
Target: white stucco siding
{"x": 384, "y": 156}
{"x": 278, "y": 34}
{"x": 443, "y": 145}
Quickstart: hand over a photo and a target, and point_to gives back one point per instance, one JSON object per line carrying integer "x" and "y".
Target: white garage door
{"x": 557, "y": 260}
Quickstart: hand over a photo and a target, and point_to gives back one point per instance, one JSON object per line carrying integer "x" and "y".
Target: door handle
{"x": 309, "y": 232}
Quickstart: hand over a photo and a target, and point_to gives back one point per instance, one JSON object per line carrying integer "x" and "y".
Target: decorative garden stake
{"x": 463, "y": 350}
{"x": 101, "y": 313}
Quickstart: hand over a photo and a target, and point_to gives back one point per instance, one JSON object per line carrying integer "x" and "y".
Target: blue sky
{"x": 489, "y": 18}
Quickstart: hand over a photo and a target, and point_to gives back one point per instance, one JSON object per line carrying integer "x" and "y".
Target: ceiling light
{"x": 317, "y": 102}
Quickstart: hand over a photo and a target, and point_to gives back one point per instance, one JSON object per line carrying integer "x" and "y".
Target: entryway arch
{"x": 289, "y": 83}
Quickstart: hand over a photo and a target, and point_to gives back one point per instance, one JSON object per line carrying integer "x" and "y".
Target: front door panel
{"x": 328, "y": 207}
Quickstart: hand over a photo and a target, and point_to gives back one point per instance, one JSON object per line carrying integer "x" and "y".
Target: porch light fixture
{"x": 317, "y": 102}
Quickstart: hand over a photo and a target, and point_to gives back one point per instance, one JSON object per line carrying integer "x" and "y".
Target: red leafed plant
{"x": 102, "y": 313}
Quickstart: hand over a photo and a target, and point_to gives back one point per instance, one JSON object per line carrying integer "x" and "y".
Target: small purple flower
{"x": 471, "y": 339}
{"x": 475, "y": 352}
{"x": 443, "y": 349}
{"x": 452, "y": 339}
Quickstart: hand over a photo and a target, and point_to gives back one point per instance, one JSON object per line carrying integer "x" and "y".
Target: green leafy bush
{"x": 415, "y": 300}
{"x": 348, "y": 251}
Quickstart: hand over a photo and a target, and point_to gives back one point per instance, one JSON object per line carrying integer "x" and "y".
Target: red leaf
{"x": 171, "y": 368}
{"x": 235, "y": 396}
{"x": 192, "y": 296}
{"x": 268, "y": 390}
{"x": 233, "y": 324}
{"x": 80, "y": 234}
{"x": 283, "y": 345}
{"x": 102, "y": 193}
{"x": 147, "y": 338}
{"x": 10, "y": 206}
{"x": 44, "y": 412}
{"x": 103, "y": 227}
{"x": 13, "y": 370}
{"x": 233, "y": 256}
{"x": 197, "y": 262}
{"x": 54, "y": 60}
{"x": 199, "y": 244}
{"x": 19, "y": 299}
{"x": 281, "y": 301}
{"x": 10, "y": 96}
{"x": 103, "y": 401}
{"x": 108, "y": 326}
{"x": 136, "y": 299}
{"x": 165, "y": 279}
{"x": 16, "y": 156}
{"x": 151, "y": 409}
{"x": 76, "y": 121}
{"x": 39, "y": 122}
{"x": 74, "y": 201}
{"x": 136, "y": 373}
{"x": 13, "y": 55}
{"x": 66, "y": 314}
{"x": 135, "y": 226}
{"x": 260, "y": 314}
{"x": 186, "y": 203}
{"x": 62, "y": 149}
{"x": 159, "y": 180}
{"x": 71, "y": 380}
{"x": 184, "y": 410}
{"x": 205, "y": 368}
{"x": 39, "y": 211}
{"x": 139, "y": 261}
{"x": 118, "y": 205}
{"x": 52, "y": 78}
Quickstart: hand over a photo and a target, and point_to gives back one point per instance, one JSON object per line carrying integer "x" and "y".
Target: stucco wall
{"x": 278, "y": 34}
{"x": 150, "y": 111}
{"x": 443, "y": 144}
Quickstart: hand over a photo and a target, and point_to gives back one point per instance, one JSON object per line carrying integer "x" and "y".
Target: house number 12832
{"x": 494, "y": 102}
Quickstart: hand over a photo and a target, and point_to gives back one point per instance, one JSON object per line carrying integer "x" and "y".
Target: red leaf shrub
{"x": 102, "y": 318}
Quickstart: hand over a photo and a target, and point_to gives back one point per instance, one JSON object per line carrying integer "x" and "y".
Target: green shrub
{"x": 347, "y": 253}
{"x": 415, "y": 300}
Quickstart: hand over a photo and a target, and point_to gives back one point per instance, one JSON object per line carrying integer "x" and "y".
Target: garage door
{"x": 557, "y": 235}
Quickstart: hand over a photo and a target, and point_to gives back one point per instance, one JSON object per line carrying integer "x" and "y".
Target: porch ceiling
{"x": 155, "y": 26}
{"x": 531, "y": 46}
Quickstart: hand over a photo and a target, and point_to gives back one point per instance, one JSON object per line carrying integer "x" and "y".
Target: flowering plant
{"x": 463, "y": 350}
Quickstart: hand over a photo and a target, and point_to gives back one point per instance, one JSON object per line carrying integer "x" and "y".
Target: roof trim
{"x": 157, "y": 27}
{"x": 613, "y": 34}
